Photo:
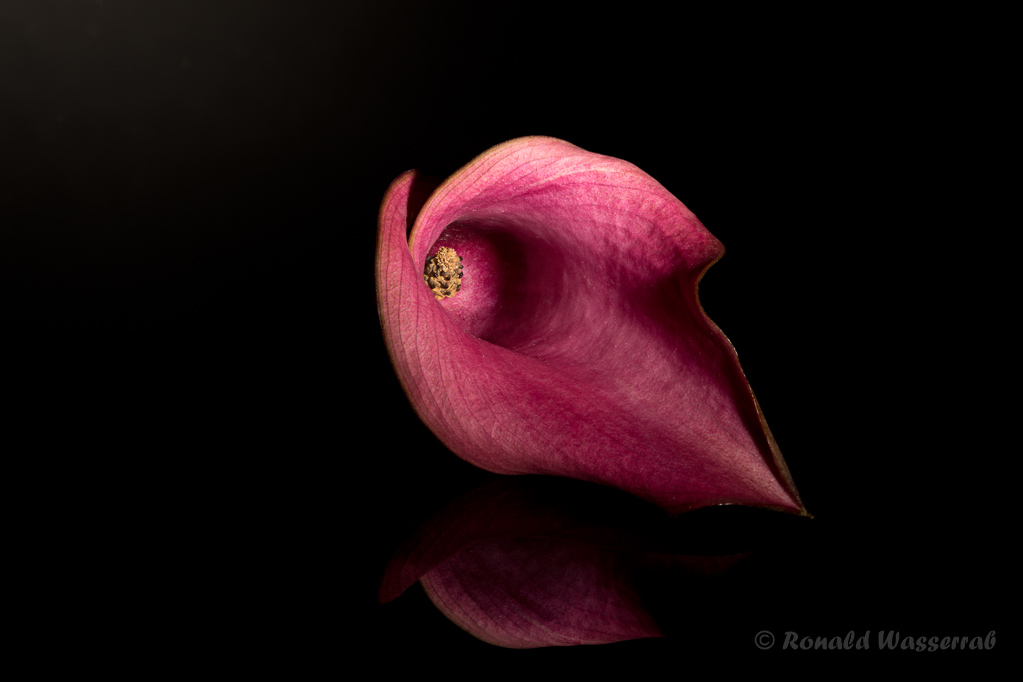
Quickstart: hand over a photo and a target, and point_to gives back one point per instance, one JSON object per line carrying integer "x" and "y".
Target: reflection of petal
{"x": 528, "y": 507}
{"x": 533, "y": 592}
{"x": 540, "y": 561}
{"x": 577, "y": 346}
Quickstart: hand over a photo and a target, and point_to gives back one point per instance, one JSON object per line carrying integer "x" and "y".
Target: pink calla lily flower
{"x": 561, "y": 334}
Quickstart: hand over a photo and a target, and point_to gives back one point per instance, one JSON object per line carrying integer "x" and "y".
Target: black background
{"x": 213, "y": 437}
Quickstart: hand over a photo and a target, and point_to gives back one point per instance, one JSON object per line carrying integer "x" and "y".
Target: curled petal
{"x": 576, "y": 346}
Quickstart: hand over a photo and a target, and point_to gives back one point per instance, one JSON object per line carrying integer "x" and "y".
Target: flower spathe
{"x": 576, "y": 345}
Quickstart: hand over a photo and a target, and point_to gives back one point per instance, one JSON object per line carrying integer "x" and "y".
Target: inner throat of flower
{"x": 444, "y": 273}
